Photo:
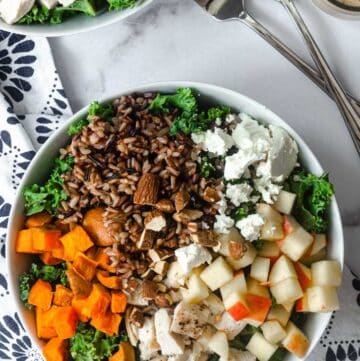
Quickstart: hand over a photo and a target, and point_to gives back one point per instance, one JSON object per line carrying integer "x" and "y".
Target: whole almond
{"x": 165, "y": 205}
{"x": 236, "y": 249}
{"x": 147, "y": 189}
{"x": 211, "y": 195}
{"x": 182, "y": 199}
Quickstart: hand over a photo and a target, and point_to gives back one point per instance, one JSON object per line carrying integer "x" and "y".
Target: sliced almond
{"x": 147, "y": 189}
{"x": 155, "y": 221}
{"x": 146, "y": 240}
{"x": 149, "y": 290}
{"x": 158, "y": 255}
{"x": 193, "y": 227}
{"x": 136, "y": 317}
{"x": 161, "y": 267}
{"x": 187, "y": 215}
{"x": 211, "y": 195}
{"x": 182, "y": 199}
{"x": 205, "y": 238}
{"x": 131, "y": 330}
{"x": 163, "y": 300}
{"x": 165, "y": 205}
{"x": 236, "y": 249}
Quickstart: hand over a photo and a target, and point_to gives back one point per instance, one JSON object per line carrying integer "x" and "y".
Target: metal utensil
{"x": 348, "y": 111}
{"x": 225, "y": 10}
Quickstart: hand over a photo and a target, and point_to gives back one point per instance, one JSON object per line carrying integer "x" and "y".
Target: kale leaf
{"x": 279, "y": 354}
{"x": 243, "y": 338}
{"x": 49, "y": 196}
{"x": 121, "y": 4}
{"x": 242, "y": 212}
{"x": 104, "y": 111}
{"x": 53, "y": 274}
{"x": 207, "y": 169}
{"x": 213, "y": 357}
{"x": 89, "y": 344}
{"x": 312, "y": 201}
{"x": 190, "y": 119}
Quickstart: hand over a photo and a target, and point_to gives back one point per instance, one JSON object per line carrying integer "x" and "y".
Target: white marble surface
{"x": 175, "y": 40}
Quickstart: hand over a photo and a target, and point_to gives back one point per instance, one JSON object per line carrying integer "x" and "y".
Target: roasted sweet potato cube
{"x": 81, "y": 307}
{"x": 24, "y": 242}
{"x": 85, "y": 266}
{"x": 99, "y": 300}
{"x": 48, "y": 259}
{"x": 63, "y": 296}
{"x": 112, "y": 282}
{"x": 45, "y": 322}
{"x": 56, "y": 350}
{"x": 41, "y": 295}
{"x": 46, "y": 239}
{"x": 38, "y": 220}
{"x": 108, "y": 323}
{"x": 65, "y": 323}
{"x": 77, "y": 240}
{"x": 118, "y": 302}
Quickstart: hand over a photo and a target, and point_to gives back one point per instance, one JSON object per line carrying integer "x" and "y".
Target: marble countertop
{"x": 175, "y": 40}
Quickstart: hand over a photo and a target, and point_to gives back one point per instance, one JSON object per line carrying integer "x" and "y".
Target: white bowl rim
{"x": 160, "y": 87}
{"x": 56, "y": 30}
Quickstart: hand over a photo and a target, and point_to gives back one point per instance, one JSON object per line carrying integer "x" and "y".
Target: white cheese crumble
{"x": 230, "y": 118}
{"x": 215, "y": 141}
{"x": 223, "y": 223}
{"x": 269, "y": 191}
{"x": 192, "y": 256}
{"x": 238, "y": 193}
{"x": 250, "y": 226}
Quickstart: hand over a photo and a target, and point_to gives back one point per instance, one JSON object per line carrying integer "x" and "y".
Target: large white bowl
{"x": 75, "y": 24}
{"x": 42, "y": 163}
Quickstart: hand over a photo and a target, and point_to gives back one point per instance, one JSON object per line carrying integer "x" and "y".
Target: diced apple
{"x": 175, "y": 276}
{"x": 304, "y": 275}
{"x": 288, "y": 290}
{"x": 278, "y": 313}
{"x": 322, "y": 299}
{"x": 309, "y": 260}
{"x": 269, "y": 213}
{"x": 281, "y": 270}
{"x": 290, "y": 224}
{"x": 273, "y": 331}
{"x": 270, "y": 250}
{"x": 295, "y": 244}
{"x": 289, "y": 306}
{"x": 216, "y": 307}
{"x": 231, "y": 327}
{"x": 237, "y": 284}
{"x": 295, "y": 341}
{"x": 246, "y": 260}
{"x": 260, "y": 269}
{"x": 259, "y": 307}
{"x": 197, "y": 290}
{"x": 271, "y": 231}
{"x": 217, "y": 274}
{"x": 302, "y": 305}
{"x": 260, "y": 347}
{"x": 255, "y": 288}
{"x": 208, "y": 332}
{"x": 225, "y": 238}
{"x": 285, "y": 202}
{"x": 318, "y": 244}
{"x": 236, "y": 305}
{"x": 326, "y": 273}
{"x": 219, "y": 344}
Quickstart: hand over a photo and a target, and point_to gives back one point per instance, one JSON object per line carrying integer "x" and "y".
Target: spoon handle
{"x": 348, "y": 111}
{"x": 289, "y": 54}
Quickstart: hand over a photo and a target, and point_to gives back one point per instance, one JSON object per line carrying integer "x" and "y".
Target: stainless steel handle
{"x": 350, "y": 115}
{"x": 277, "y": 44}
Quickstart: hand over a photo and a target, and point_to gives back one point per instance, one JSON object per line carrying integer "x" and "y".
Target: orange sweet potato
{"x": 99, "y": 300}
{"x": 108, "y": 323}
{"x": 81, "y": 307}
{"x": 65, "y": 323}
{"x": 104, "y": 261}
{"x": 112, "y": 282}
{"x": 59, "y": 252}
{"x": 118, "y": 302}
{"x": 94, "y": 225}
{"x": 56, "y": 350}
{"x": 38, "y": 220}
{"x": 45, "y": 239}
{"x": 41, "y": 294}
{"x": 77, "y": 240}
{"x": 62, "y": 296}
{"x": 49, "y": 259}
{"x": 24, "y": 242}
{"x": 45, "y": 322}
{"x": 78, "y": 285}
{"x": 85, "y": 266}
{"x": 125, "y": 353}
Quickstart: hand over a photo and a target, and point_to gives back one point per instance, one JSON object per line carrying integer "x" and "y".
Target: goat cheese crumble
{"x": 239, "y": 193}
{"x": 250, "y": 226}
{"x": 192, "y": 256}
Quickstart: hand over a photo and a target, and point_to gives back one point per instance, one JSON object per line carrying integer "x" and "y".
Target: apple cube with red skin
{"x": 281, "y": 270}
{"x": 273, "y": 331}
{"x": 237, "y": 284}
{"x": 217, "y": 274}
{"x": 260, "y": 347}
{"x": 326, "y": 273}
{"x": 246, "y": 260}
{"x": 285, "y": 202}
{"x": 289, "y": 306}
{"x": 278, "y": 313}
{"x": 255, "y": 288}
{"x": 295, "y": 341}
{"x": 287, "y": 291}
{"x": 231, "y": 327}
{"x": 218, "y": 343}
{"x": 272, "y": 230}
{"x": 322, "y": 299}
{"x": 237, "y": 306}
{"x": 197, "y": 290}
{"x": 302, "y": 305}
{"x": 259, "y": 307}
{"x": 295, "y": 244}
{"x": 304, "y": 275}
{"x": 260, "y": 269}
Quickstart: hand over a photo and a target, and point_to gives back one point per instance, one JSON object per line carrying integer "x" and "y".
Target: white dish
{"x": 75, "y": 25}
{"x": 338, "y": 10}
{"x": 40, "y": 166}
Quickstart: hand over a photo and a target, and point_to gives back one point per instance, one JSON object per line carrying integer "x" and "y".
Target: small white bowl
{"x": 343, "y": 12}
{"x": 210, "y": 94}
{"x": 76, "y": 24}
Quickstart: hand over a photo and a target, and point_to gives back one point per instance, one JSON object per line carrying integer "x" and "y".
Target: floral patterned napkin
{"x": 32, "y": 105}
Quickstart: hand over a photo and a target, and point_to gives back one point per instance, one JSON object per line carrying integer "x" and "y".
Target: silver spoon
{"x": 226, "y": 10}
{"x": 348, "y": 111}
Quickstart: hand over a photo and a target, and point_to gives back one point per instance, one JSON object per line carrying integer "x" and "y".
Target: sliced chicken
{"x": 148, "y": 345}
{"x": 13, "y": 10}
{"x": 170, "y": 343}
{"x": 136, "y": 298}
{"x": 190, "y": 320}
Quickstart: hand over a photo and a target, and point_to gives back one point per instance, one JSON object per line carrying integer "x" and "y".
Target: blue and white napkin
{"x": 32, "y": 105}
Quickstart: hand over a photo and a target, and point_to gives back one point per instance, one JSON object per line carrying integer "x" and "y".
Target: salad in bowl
{"x": 172, "y": 227}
